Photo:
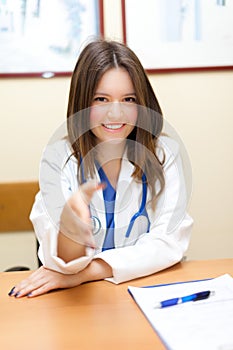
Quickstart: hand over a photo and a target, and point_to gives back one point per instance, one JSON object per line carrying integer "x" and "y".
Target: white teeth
{"x": 113, "y": 126}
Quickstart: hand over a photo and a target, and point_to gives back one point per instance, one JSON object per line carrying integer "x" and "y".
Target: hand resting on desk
{"x": 44, "y": 280}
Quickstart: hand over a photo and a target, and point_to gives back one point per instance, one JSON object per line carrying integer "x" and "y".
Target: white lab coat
{"x": 139, "y": 255}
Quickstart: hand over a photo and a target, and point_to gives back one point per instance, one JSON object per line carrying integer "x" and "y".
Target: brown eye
{"x": 130, "y": 99}
{"x": 100, "y": 99}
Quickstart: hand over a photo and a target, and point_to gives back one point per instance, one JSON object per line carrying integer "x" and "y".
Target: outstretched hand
{"x": 76, "y": 222}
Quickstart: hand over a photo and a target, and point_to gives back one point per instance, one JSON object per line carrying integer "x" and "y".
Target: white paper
{"x": 205, "y": 324}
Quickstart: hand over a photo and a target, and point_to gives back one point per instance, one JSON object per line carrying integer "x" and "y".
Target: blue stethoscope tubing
{"x": 141, "y": 212}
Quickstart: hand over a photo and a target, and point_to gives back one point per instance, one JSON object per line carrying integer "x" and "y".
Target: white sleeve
{"x": 169, "y": 234}
{"x": 152, "y": 253}
{"x": 56, "y": 185}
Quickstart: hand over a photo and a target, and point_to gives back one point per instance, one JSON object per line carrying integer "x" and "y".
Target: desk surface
{"x": 96, "y": 315}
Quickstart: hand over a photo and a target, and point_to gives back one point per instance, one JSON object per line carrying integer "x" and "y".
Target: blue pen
{"x": 185, "y": 299}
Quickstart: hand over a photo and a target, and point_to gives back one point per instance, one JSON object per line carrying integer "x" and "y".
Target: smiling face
{"x": 114, "y": 110}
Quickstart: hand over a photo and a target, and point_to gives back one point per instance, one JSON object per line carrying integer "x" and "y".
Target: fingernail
{"x": 29, "y": 294}
{"x": 17, "y": 294}
{"x": 11, "y": 292}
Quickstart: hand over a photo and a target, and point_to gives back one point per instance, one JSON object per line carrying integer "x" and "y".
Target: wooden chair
{"x": 16, "y": 200}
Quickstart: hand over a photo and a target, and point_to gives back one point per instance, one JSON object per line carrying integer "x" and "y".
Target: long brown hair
{"x": 96, "y": 58}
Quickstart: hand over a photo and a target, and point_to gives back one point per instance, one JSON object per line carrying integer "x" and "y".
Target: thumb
{"x": 88, "y": 189}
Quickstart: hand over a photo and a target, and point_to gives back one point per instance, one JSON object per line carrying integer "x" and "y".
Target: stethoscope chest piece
{"x": 96, "y": 225}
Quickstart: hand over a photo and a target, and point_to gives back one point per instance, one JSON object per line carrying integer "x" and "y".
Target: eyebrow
{"x": 104, "y": 94}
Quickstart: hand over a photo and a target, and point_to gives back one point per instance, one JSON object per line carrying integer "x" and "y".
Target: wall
{"x": 198, "y": 105}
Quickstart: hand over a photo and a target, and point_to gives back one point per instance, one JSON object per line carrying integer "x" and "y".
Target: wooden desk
{"x": 97, "y": 315}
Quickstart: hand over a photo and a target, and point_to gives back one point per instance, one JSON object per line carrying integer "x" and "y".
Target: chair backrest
{"x": 16, "y": 200}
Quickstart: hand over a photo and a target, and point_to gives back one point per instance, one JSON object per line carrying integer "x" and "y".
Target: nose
{"x": 115, "y": 110}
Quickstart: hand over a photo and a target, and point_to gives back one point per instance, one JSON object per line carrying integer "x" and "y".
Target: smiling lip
{"x": 113, "y": 127}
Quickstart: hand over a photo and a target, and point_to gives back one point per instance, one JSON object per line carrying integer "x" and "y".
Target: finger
{"x": 75, "y": 228}
{"x": 28, "y": 291}
{"x": 52, "y": 280}
{"x": 29, "y": 284}
{"x": 88, "y": 189}
{"x": 80, "y": 201}
{"x": 47, "y": 287}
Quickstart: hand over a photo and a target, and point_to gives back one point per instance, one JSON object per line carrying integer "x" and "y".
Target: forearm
{"x": 98, "y": 269}
{"x": 68, "y": 249}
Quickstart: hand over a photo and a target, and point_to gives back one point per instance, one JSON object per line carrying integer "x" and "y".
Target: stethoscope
{"x": 142, "y": 212}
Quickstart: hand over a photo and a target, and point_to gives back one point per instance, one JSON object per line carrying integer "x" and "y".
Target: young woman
{"x": 112, "y": 200}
